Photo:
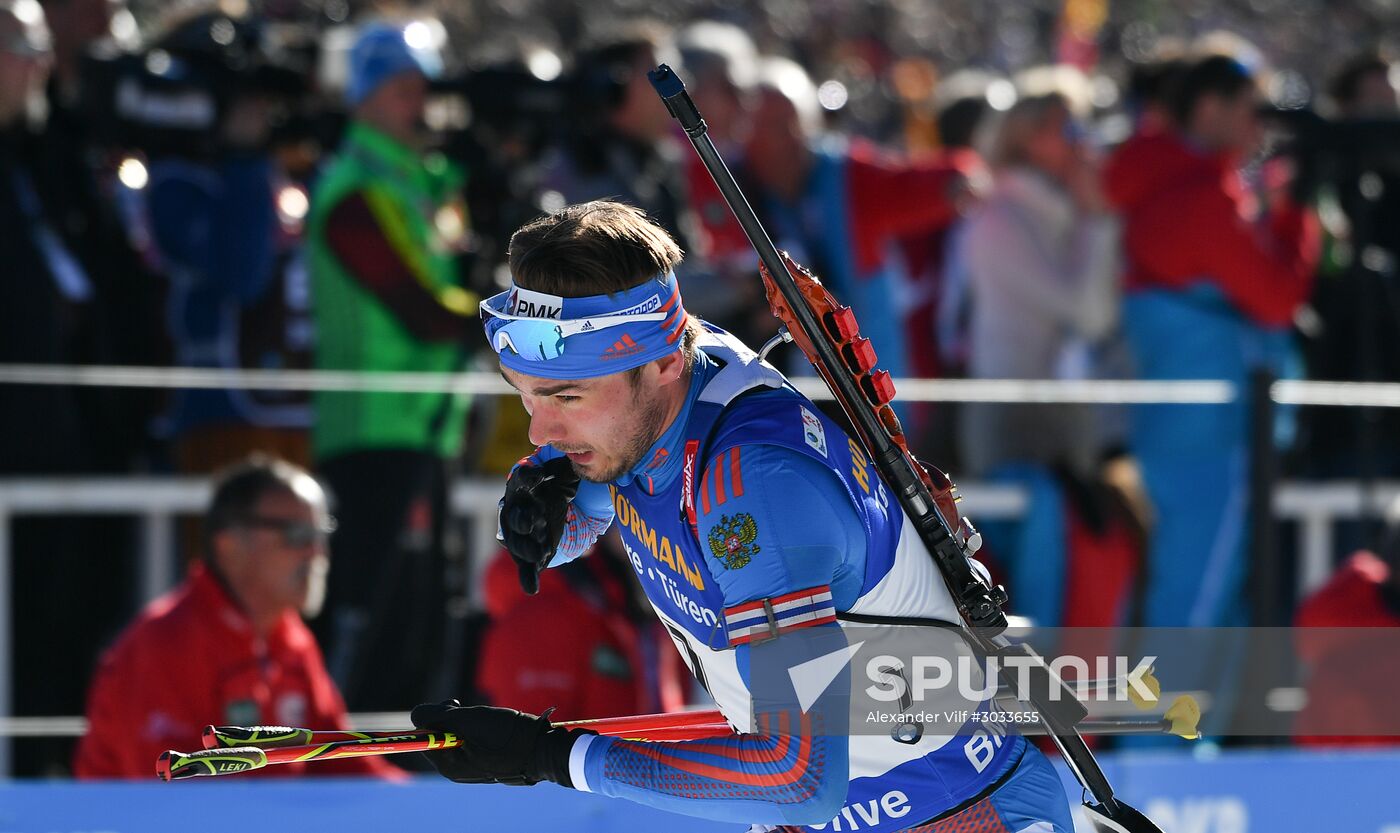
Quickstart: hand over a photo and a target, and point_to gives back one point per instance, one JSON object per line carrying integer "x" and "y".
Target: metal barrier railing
{"x": 1101, "y": 391}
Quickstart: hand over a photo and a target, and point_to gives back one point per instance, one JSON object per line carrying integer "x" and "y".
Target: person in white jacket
{"x": 1040, "y": 259}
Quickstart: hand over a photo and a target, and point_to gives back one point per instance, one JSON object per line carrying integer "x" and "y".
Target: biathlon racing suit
{"x": 753, "y": 499}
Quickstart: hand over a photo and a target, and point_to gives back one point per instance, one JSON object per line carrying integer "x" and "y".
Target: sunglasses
{"x": 542, "y": 339}
{"x": 296, "y": 534}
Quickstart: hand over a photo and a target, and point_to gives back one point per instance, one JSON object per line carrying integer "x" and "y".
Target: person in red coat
{"x": 1348, "y": 635}
{"x": 1213, "y": 279}
{"x": 228, "y": 646}
{"x": 608, "y": 656}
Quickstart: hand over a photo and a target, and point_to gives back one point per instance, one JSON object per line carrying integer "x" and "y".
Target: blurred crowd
{"x": 1001, "y": 191}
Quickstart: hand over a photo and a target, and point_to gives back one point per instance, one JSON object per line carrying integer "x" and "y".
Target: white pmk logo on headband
{"x": 643, "y": 308}
{"x": 534, "y": 304}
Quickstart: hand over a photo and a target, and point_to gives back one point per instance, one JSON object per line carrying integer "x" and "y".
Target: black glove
{"x": 533, "y": 510}
{"x": 499, "y": 746}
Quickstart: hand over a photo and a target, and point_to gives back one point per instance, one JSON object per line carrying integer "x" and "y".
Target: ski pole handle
{"x": 176, "y": 766}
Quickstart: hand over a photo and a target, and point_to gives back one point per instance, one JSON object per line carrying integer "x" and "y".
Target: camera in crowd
{"x": 1334, "y": 150}
{"x": 175, "y": 96}
{"x": 498, "y": 120}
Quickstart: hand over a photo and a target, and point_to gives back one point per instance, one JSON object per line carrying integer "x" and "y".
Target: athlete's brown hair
{"x": 592, "y": 248}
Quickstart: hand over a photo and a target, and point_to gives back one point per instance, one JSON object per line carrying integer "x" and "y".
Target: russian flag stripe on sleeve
{"x": 767, "y": 618}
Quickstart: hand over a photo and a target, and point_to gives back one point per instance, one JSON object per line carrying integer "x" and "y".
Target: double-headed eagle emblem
{"x": 732, "y": 540}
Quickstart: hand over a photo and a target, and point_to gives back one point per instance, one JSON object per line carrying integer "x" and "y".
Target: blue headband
{"x": 582, "y": 338}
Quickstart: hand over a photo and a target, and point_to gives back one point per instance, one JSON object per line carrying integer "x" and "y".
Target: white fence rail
{"x": 1102, "y": 391}
{"x": 158, "y": 502}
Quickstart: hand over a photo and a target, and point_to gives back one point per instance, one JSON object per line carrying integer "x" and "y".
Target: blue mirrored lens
{"x": 532, "y": 340}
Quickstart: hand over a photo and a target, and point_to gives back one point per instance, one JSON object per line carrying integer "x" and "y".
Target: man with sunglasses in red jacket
{"x": 228, "y": 646}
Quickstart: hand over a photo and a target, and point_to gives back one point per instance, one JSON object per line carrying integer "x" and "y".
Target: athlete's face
{"x": 605, "y": 425}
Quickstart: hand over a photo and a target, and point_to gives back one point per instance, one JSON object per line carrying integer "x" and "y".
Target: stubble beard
{"x": 648, "y": 430}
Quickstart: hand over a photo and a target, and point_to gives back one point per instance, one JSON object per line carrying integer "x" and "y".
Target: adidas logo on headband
{"x": 624, "y": 346}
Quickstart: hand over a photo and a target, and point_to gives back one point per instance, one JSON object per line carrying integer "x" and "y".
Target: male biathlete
{"x": 749, "y": 517}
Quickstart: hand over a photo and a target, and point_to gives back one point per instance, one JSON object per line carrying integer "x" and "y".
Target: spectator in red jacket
{"x": 1213, "y": 278}
{"x": 227, "y": 646}
{"x": 608, "y": 655}
{"x": 1354, "y": 665}
{"x": 1212, "y": 284}
{"x": 1190, "y": 218}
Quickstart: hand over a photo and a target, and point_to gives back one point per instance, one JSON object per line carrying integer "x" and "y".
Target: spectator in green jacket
{"x": 385, "y": 230}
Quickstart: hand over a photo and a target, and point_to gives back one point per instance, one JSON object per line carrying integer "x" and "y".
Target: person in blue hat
{"x": 384, "y": 233}
{"x": 390, "y": 67}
